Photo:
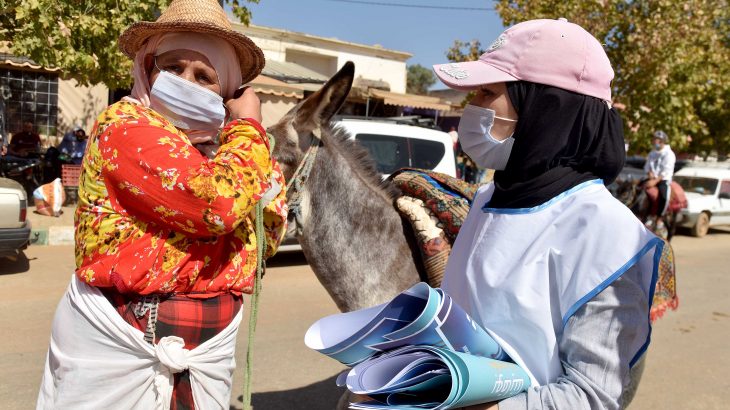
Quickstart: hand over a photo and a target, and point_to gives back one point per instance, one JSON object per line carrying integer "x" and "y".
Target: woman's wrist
{"x": 227, "y": 134}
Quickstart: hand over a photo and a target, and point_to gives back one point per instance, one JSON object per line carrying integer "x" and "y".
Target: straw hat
{"x": 198, "y": 16}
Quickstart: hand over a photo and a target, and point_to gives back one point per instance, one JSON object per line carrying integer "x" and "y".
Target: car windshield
{"x": 704, "y": 186}
{"x": 392, "y": 153}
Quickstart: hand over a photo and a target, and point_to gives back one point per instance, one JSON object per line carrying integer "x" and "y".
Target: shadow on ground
{"x": 715, "y": 230}
{"x": 287, "y": 259}
{"x": 318, "y": 396}
{"x": 720, "y": 230}
{"x": 16, "y": 264}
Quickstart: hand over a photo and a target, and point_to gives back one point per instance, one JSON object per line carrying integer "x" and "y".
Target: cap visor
{"x": 469, "y": 75}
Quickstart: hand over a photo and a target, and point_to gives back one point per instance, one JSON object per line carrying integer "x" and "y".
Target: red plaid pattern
{"x": 194, "y": 320}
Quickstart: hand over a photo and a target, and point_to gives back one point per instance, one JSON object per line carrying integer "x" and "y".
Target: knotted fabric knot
{"x": 172, "y": 354}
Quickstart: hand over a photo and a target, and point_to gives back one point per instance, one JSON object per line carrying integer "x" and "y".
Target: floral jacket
{"x": 156, "y": 216}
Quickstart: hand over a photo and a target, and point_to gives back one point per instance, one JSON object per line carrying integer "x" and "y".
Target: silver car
{"x": 14, "y": 225}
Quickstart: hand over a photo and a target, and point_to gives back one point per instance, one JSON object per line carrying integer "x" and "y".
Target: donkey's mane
{"x": 339, "y": 139}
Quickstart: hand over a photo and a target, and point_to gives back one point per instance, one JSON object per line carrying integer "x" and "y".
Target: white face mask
{"x": 187, "y": 105}
{"x": 477, "y": 141}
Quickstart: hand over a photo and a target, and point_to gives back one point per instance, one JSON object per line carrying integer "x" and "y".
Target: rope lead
{"x": 253, "y": 315}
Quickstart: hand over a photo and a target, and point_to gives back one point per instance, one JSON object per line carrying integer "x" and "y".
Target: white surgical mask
{"x": 477, "y": 141}
{"x": 187, "y": 105}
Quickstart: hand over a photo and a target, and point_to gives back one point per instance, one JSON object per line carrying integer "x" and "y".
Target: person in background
{"x": 25, "y": 142}
{"x": 49, "y": 198}
{"x": 659, "y": 169}
{"x": 454, "y": 137}
{"x": 73, "y": 145}
{"x": 3, "y": 134}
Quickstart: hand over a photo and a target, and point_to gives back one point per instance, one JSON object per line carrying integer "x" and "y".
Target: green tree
{"x": 465, "y": 51}
{"x": 670, "y": 57}
{"x": 80, "y": 36}
{"x": 419, "y": 79}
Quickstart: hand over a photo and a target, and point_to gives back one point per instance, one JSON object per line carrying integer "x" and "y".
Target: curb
{"x": 53, "y": 235}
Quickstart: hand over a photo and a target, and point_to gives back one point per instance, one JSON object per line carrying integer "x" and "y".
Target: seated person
{"x": 659, "y": 168}
{"x": 73, "y": 145}
{"x": 49, "y": 198}
{"x": 25, "y": 142}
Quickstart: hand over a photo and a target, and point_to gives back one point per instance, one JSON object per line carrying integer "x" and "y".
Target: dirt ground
{"x": 685, "y": 368}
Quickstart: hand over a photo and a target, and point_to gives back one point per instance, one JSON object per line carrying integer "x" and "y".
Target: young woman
{"x": 559, "y": 272}
{"x": 165, "y": 237}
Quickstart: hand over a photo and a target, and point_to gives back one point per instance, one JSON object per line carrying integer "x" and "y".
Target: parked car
{"x": 394, "y": 146}
{"x": 637, "y": 161}
{"x": 14, "y": 225}
{"x": 708, "y": 197}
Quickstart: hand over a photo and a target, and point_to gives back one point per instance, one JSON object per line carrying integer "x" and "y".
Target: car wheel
{"x": 702, "y": 226}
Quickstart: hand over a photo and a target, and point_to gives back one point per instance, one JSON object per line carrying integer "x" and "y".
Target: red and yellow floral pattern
{"x": 156, "y": 216}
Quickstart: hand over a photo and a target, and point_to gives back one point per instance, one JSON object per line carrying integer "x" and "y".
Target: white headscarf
{"x": 219, "y": 52}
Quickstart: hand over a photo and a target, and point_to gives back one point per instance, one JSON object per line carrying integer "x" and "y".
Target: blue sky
{"x": 425, "y": 33}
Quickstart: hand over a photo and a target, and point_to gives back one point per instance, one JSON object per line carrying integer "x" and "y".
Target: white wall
{"x": 79, "y": 104}
{"x": 323, "y": 64}
{"x": 371, "y": 62}
{"x": 373, "y": 68}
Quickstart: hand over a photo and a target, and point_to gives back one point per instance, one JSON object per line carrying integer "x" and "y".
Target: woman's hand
{"x": 650, "y": 183}
{"x": 200, "y": 138}
{"x": 244, "y": 104}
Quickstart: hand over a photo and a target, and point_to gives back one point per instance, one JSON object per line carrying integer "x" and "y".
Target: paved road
{"x": 685, "y": 368}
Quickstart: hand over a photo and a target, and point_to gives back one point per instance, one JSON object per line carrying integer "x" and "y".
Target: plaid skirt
{"x": 193, "y": 320}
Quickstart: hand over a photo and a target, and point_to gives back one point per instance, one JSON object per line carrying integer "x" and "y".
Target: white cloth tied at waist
{"x": 97, "y": 360}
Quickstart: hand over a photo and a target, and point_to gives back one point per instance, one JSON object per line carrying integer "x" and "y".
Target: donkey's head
{"x": 295, "y": 131}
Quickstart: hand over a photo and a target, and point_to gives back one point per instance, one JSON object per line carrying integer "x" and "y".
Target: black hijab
{"x": 562, "y": 139}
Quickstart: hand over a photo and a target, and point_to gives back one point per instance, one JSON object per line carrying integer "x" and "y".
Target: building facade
{"x": 296, "y": 64}
{"x": 325, "y": 56}
{"x": 30, "y": 92}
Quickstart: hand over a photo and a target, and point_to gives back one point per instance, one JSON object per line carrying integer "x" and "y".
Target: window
{"x": 392, "y": 153}
{"x": 725, "y": 187}
{"x": 389, "y": 152}
{"x": 704, "y": 186}
{"x": 29, "y": 95}
{"x": 426, "y": 154}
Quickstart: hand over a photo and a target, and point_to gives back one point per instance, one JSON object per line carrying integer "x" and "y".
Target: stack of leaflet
{"x": 419, "y": 351}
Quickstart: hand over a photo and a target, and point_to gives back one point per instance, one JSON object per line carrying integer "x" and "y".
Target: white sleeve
{"x": 596, "y": 352}
{"x": 666, "y": 170}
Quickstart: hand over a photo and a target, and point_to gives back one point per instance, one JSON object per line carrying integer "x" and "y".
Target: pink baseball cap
{"x": 550, "y": 52}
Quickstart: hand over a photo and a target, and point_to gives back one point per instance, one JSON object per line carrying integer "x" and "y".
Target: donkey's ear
{"x": 319, "y": 107}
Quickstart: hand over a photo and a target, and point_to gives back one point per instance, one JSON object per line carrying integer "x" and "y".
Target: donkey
{"x": 357, "y": 244}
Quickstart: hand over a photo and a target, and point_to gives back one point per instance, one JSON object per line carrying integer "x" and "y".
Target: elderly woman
{"x": 165, "y": 237}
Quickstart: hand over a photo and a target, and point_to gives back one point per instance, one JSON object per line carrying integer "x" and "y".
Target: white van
{"x": 394, "y": 146}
